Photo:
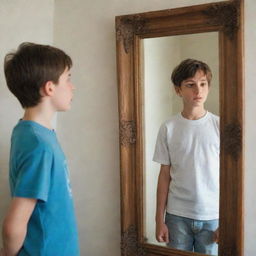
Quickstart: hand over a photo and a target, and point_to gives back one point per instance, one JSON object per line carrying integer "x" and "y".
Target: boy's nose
{"x": 197, "y": 89}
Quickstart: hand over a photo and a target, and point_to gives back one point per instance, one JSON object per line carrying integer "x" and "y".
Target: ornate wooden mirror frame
{"x": 226, "y": 18}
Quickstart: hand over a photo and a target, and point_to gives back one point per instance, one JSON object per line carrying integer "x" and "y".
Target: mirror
{"x": 160, "y": 36}
{"x": 160, "y": 56}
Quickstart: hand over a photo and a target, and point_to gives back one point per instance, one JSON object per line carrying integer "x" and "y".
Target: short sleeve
{"x": 34, "y": 175}
{"x": 161, "y": 154}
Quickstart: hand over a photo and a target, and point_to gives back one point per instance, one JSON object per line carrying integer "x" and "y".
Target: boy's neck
{"x": 194, "y": 113}
{"x": 39, "y": 115}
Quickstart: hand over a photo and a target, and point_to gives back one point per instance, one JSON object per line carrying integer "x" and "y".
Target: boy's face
{"x": 63, "y": 92}
{"x": 194, "y": 90}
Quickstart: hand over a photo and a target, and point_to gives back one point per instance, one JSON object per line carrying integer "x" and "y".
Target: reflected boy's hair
{"x": 187, "y": 69}
{"x": 29, "y": 68}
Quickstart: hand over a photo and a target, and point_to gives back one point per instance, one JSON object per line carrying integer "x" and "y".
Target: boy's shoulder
{"x": 172, "y": 120}
{"x": 214, "y": 118}
{"x": 170, "y": 123}
{"x": 213, "y": 115}
{"x": 28, "y": 135}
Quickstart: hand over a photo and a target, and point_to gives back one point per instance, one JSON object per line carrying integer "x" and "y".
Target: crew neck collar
{"x": 196, "y": 121}
{"x": 36, "y": 124}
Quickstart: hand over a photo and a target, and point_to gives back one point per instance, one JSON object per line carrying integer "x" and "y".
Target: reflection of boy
{"x": 187, "y": 148}
{"x": 41, "y": 219}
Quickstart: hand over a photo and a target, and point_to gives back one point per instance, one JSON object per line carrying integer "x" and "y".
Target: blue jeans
{"x": 192, "y": 235}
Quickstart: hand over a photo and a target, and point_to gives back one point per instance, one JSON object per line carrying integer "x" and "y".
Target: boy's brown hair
{"x": 29, "y": 68}
{"x": 187, "y": 68}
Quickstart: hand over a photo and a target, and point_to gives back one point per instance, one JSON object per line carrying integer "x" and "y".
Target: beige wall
{"x": 89, "y": 132}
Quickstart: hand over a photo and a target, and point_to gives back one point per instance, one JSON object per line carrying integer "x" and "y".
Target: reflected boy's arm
{"x": 164, "y": 180}
{"x": 15, "y": 224}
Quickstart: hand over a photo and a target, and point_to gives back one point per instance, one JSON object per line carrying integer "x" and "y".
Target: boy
{"x": 41, "y": 219}
{"x": 187, "y": 148}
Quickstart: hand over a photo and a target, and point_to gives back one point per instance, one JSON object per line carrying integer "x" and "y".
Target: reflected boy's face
{"x": 63, "y": 92}
{"x": 194, "y": 90}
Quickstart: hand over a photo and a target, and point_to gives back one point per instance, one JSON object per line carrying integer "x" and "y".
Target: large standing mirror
{"x": 149, "y": 46}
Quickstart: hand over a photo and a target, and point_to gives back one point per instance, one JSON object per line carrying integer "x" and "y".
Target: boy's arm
{"x": 15, "y": 224}
{"x": 164, "y": 180}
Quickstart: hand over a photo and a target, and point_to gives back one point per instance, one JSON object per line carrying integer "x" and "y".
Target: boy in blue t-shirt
{"x": 41, "y": 219}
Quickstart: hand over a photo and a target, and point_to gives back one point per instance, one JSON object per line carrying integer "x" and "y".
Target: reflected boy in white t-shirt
{"x": 187, "y": 148}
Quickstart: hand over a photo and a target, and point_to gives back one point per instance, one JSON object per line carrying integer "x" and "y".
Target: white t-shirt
{"x": 191, "y": 147}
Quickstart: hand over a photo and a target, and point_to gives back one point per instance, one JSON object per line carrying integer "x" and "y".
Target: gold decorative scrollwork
{"x": 129, "y": 243}
{"x": 127, "y": 27}
{"x": 225, "y": 14}
{"x": 127, "y": 133}
{"x": 232, "y": 139}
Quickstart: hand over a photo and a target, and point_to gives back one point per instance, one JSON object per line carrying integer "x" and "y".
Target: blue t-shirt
{"x": 38, "y": 169}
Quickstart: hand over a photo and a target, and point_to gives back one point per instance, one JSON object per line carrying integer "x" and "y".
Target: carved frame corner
{"x": 126, "y": 27}
{"x": 226, "y": 15}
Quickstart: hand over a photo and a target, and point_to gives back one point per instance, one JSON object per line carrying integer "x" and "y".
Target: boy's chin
{"x": 64, "y": 109}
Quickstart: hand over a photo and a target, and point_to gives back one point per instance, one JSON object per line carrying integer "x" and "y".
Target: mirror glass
{"x": 160, "y": 56}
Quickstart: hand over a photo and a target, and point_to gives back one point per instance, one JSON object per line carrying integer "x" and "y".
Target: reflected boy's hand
{"x": 162, "y": 233}
{"x": 216, "y": 236}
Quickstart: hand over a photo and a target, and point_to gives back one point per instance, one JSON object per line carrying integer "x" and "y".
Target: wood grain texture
{"x": 226, "y": 18}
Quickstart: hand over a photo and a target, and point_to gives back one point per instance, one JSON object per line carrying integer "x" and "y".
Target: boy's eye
{"x": 189, "y": 85}
{"x": 203, "y": 84}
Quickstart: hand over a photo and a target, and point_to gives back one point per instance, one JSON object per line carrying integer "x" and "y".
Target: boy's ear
{"x": 177, "y": 90}
{"x": 48, "y": 89}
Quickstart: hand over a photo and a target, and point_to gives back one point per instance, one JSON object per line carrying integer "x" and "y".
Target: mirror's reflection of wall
{"x": 161, "y": 56}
